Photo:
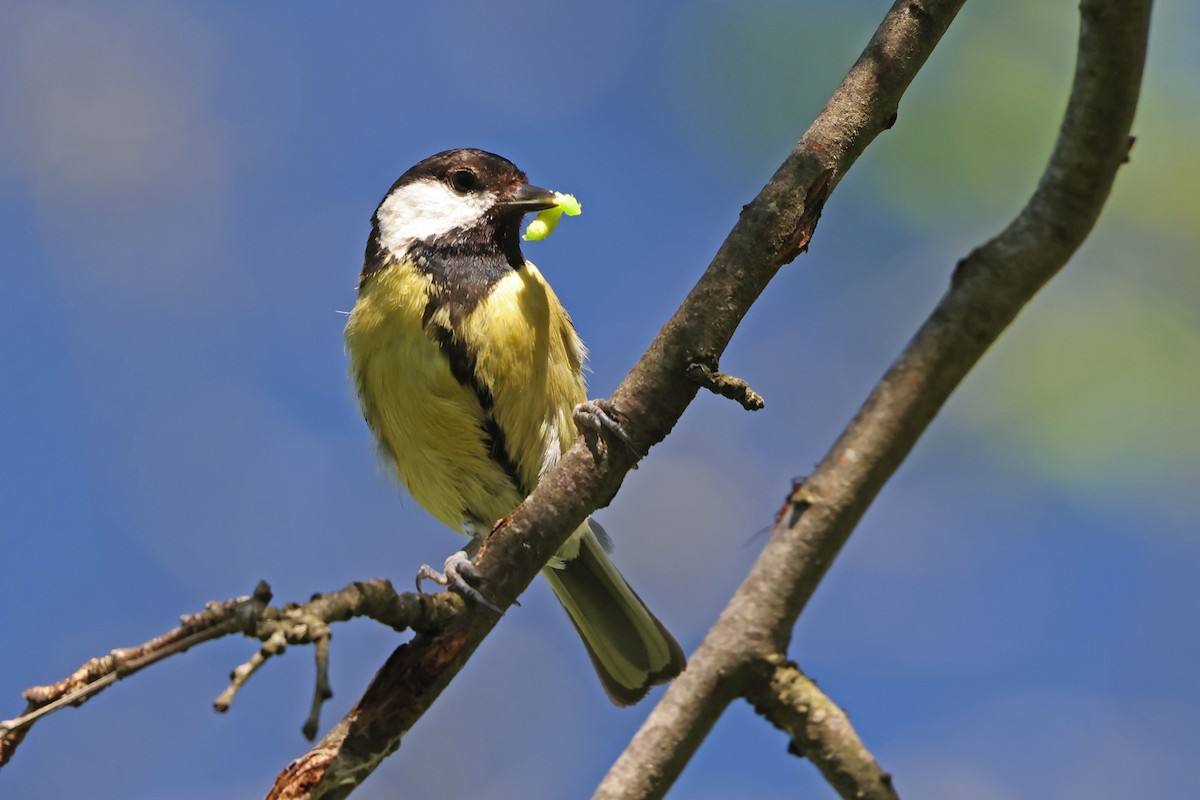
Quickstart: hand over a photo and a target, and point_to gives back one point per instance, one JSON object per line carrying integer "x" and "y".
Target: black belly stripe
{"x": 462, "y": 367}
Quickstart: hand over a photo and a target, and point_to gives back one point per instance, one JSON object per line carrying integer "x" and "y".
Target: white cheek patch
{"x": 424, "y": 210}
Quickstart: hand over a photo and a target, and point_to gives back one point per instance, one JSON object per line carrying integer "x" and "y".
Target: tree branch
{"x": 250, "y": 616}
{"x": 772, "y": 230}
{"x": 820, "y": 731}
{"x": 988, "y": 289}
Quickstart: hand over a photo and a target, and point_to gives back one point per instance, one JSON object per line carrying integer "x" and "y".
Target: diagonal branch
{"x": 772, "y": 230}
{"x": 989, "y": 288}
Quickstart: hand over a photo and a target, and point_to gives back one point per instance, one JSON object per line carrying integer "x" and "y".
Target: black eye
{"x": 463, "y": 180}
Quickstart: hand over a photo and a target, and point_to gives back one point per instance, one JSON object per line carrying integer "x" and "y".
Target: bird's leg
{"x": 600, "y": 415}
{"x": 459, "y": 569}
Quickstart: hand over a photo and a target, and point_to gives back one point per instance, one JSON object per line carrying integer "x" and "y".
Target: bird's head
{"x": 457, "y": 196}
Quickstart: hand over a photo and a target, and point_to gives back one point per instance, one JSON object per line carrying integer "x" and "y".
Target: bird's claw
{"x": 600, "y": 415}
{"x": 457, "y": 570}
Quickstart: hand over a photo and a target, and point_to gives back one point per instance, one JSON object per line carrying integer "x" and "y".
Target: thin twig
{"x": 275, "y": 645}
{"x": 322, "y": 691}
{"x": 252, "y": 617}
{"x": 215, "y": 621}
{"x": 726, "y": 386}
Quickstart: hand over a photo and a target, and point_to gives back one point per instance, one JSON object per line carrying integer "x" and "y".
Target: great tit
{"x": 469, "y": 372}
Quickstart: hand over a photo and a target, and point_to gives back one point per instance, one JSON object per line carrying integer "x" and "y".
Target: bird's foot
{"x": 458, "y": 569}
{"x": 600, "y": 415}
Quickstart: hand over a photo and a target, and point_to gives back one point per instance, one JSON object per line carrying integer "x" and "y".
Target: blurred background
{"x": 185, "y": 193}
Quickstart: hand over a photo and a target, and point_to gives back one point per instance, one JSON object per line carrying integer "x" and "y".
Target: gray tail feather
{"x": 630, "y": 649}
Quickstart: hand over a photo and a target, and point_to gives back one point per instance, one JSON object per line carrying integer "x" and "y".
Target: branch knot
{"x": 726, "y": 386}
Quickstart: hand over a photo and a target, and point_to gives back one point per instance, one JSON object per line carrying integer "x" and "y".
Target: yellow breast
{"x": 432, "y": 426}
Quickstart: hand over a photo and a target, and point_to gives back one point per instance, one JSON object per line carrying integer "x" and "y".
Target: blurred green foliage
{"x": 733, "y": 68}
{"x": 1097, "y": 390}
{"x": 1097, "y": 387}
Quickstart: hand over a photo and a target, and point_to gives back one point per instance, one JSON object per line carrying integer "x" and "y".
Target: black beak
{"x": 531, "y": 198}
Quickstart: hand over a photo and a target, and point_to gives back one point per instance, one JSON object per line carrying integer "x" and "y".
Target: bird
{"x": 469, "y": 373}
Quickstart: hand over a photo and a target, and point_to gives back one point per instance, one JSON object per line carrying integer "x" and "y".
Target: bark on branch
{"x": 820, "y": 731}
{"x": 988, "y": 289}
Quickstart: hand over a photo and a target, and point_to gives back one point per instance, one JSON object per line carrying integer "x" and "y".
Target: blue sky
{"x": 185, "y": 192}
